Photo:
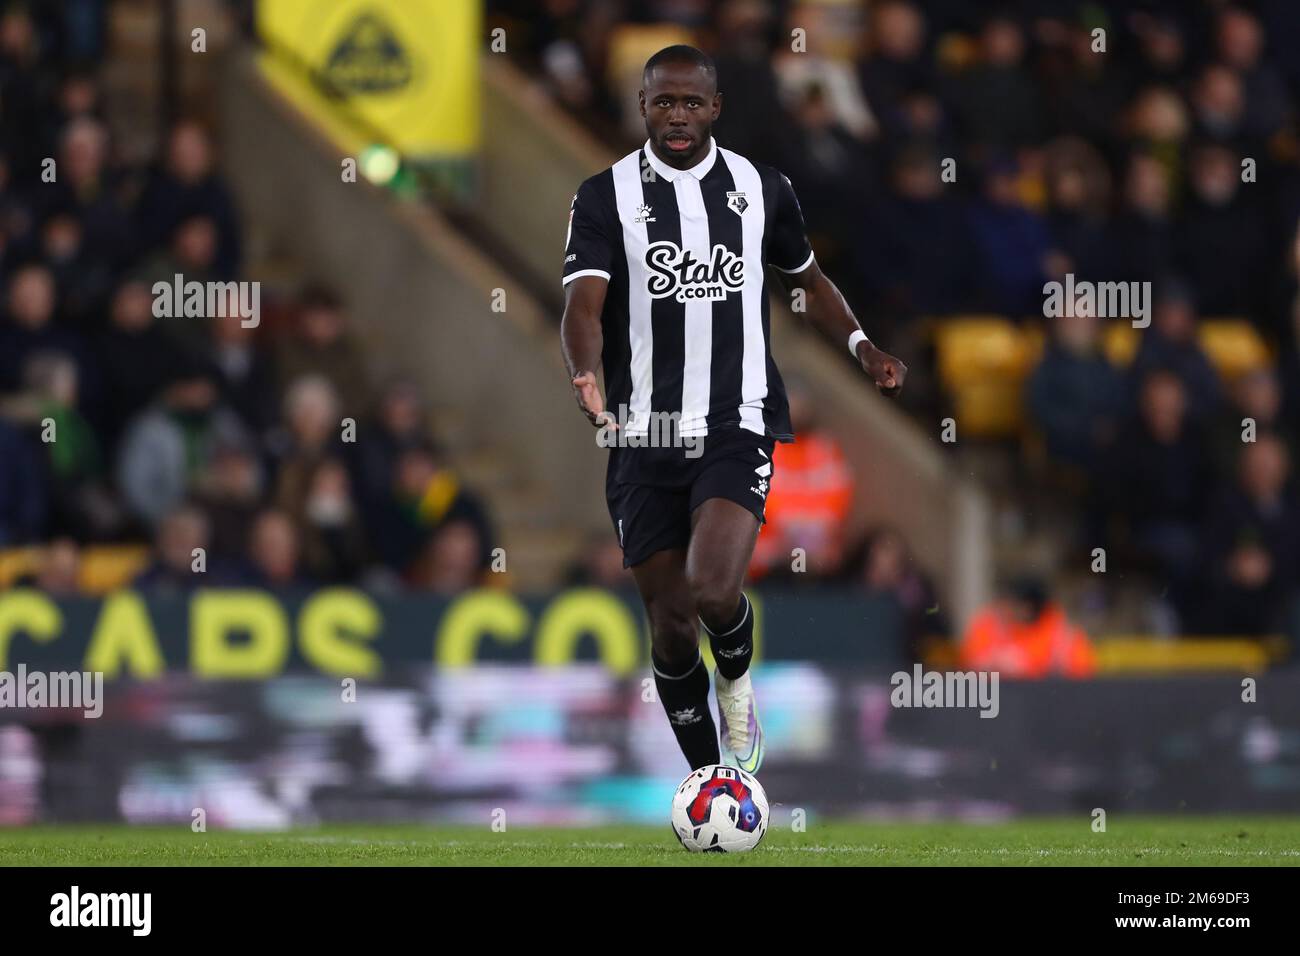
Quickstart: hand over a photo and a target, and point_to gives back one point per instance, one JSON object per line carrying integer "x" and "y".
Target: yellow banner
{"x": 404, "y": 72}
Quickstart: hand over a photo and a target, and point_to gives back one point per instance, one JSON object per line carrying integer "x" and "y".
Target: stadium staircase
{"x": 421, "y": 294}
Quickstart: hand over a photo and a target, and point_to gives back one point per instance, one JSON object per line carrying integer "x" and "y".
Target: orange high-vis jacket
{"x": 1046, "y": 647}
{"x": 808, "y": 501}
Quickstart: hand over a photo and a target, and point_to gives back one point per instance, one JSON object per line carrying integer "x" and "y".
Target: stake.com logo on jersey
{"x": 675, "y": 271}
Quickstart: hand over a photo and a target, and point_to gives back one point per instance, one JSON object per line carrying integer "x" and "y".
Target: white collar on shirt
{"x": 699, "y": 170}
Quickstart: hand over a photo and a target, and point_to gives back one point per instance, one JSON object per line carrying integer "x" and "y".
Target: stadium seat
{"x": 102, "y": 568}
{"x": 630, "y": 45}
{"x": 105, "y": 569}
{"x": 1120, "y": 341}
{"x": 983, "y": 361}
{"x": 1234, "y": 347}
{"x": 16, "y": 563}
{"x": 1143, "y": 654}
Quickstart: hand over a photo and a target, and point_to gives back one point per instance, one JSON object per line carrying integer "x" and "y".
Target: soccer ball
{"x": 719, "y": 809}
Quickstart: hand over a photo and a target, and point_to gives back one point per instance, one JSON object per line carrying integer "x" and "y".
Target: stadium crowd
{"x": 120, "y": 426}
{"x": 951, "y": 158}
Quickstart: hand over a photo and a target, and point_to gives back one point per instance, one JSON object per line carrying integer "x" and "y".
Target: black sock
{"x": 733, "y": 647}
{"x": 685, "y": 697}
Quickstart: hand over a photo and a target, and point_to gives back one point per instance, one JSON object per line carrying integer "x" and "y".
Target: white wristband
{"x": 857, "y": 336}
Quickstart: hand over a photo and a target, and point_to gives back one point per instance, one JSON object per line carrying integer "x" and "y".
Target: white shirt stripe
{"x": 628, "y": 195}
{"x": 697, "y": 336}
{"x": 753, "y": 369}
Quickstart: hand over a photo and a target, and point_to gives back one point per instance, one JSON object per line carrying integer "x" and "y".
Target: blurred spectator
{"x": 1220, "y": 238}
{"x": 274, "y": 553}
{"x": 808, "y": 500}
{"x": 823, "y": 65}
{"x": 748, "y": 124}
{"x": 896, "y": 66}
{"x": 138, "y": 358}
{"x": 58, "y": 570}
{"x": 566, "y": 43}
{"x": 1257, "y": 399}
{"x": 90, "y": 191}
{"x": 180, "y": 549}
{"x": 1144, "y": 231}
{"x": 17, "y": 219}
{"x": 245, "y": 371}
{"x": 1074, "y": 396}
{"x": 1252, "y": 545}
{"x": 1171, "y": 344}
{"x": 1162, "y": 49}
{"x": 401, "y": 423}
{"x": 80, "y": 502}
{"x": 185, "y": 187}
{"x": 426, "y": 495}
{"x": 230, "y": 493}
{"x": 1157, "y": 483}
{"x": 1025, "y": 635}
{"x": 829, "y": 167}
{"x": 1240, "y": 40}
{"x": 1012, "y": 244}
{"x": 1288, "y": 323}
{"x": 1078, "y": 196}
{"x": 334, "y": 545}
{"x": 322, "y": 345}
{"x": 914, "y": 253}
{"x": 27, "y": 82}
{"x": 58, "y": 567}
{"x": 1219, "y": 105}
{"x": 312, "y": 433}
{"x": 887, "y": 569}
{"x": 22, "y": 488}
{"x": 30, "y": 328}
{"x": 600, "y": 565}
{"x": 192, "y": 256}
{"x": 1158, "y": 123}
{"x": 997, "y": 99}
{"x": 83, "y": 281}
{"x": 171, "y": 444}
{"x": 1087, "y": 94}
{"x": 451, "y": 563}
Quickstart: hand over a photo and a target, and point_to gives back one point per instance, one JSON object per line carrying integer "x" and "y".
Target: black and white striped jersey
{"x": 686, "y": 327}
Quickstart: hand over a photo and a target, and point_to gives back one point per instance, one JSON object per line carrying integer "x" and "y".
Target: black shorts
{"x": 652, "y": 492}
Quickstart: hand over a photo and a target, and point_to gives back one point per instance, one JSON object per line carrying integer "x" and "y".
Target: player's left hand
{"x": 885, "y": 370}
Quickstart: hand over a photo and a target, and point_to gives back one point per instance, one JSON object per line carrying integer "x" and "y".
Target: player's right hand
{"x": 587, "y": 393}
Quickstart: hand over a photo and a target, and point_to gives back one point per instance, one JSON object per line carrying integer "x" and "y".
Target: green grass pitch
{"x": 1134, "y": 841}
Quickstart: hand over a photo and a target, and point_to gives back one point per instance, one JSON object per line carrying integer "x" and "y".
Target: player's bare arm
{"x": 581, "y": 339}
{"x": 828, "y": 311}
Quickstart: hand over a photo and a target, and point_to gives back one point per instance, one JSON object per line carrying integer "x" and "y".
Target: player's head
{"x": 680, "y": 102}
